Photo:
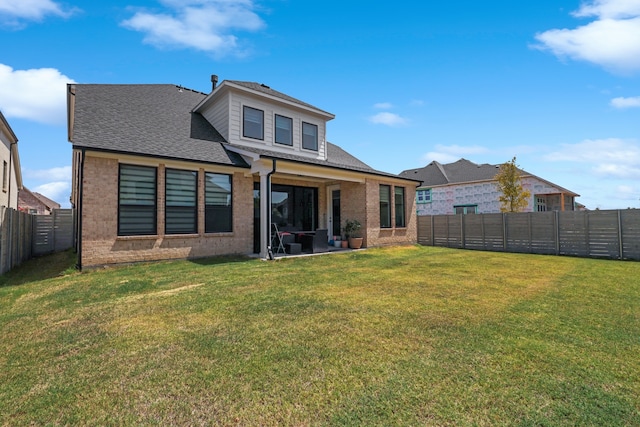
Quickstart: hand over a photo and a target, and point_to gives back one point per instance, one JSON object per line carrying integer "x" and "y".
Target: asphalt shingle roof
{"x": 261, "y": 87}
{"x": 154, "y": 120}
{"x": 463, "y": 170}
{"x": 157, "y": 120}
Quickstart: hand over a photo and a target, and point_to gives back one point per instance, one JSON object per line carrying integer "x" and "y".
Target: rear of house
{"x": 165, "y": 172}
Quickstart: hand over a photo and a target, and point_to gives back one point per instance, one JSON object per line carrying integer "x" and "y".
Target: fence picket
{"x": 598, "y": 234}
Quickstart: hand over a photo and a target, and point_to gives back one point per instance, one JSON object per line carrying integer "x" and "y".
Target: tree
{"x": 514, "y": 197}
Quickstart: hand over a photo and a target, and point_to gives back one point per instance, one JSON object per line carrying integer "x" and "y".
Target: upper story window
{"x": 253, "y": 123}
{"x": 309, "y": 136}
{"x": 284, "y": 130}
{"x": 137, "y": 200}
{"x": 423, "y": 196}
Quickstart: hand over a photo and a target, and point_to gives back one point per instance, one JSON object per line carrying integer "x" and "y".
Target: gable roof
{"x": 158, "y": 120}
{"x": 462, "y": 171}
{"x": 149, "y": 120}
{"x": 25, "y": 193}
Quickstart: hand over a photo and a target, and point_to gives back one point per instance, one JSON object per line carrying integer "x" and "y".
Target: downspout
{"x": 273, "y": 170}
{"x": 79, "y": 211}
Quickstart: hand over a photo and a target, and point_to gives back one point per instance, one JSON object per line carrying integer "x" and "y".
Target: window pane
{"x": 253, "y": 123}
{"x": 385, "y": 206}
{"x": 283, "y": 130}
{"x": 137, "y": 200}
{"x": 399, "y": 203}
{"x": 309, "y": 136}
{"x": 181, "y": 202}
{"x": 218, "y": 208}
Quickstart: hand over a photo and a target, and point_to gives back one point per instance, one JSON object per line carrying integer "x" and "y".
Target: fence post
{"x": 620, "y": 234}
{"x": 504, "y": 232}
{"x": 556, "y": 219}
{"x": 462, "y": 236}
{"x": 433, "y": 239}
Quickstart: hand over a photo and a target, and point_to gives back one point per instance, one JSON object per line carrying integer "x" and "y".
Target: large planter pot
{"x": 355, "y": 242}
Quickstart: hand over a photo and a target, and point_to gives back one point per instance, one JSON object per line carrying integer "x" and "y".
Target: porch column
{"x": 562, "y": 202}
{"x": 265, "y": 213}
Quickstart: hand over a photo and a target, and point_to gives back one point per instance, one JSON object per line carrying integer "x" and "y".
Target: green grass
{"x": 394, "y": 336}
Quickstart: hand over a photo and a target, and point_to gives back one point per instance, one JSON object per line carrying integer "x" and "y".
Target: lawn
{"x": 393, "y": 336}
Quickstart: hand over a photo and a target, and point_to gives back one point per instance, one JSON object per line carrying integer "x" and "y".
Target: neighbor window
{"x": 309, "y": 136}
{"x": 5, "y": 175}
{"x": 181, "y": 207}
{"x": 253, "y": 124}
{"x": 466, "y": 209}
{"x": 385, "y": 206}
{"x": 137, "y": 200}
{"x": 423, "y": 196}
{"x": 399, "y": 204}
{"x": 217, "y": 194}
{"x": 284, "y": 134}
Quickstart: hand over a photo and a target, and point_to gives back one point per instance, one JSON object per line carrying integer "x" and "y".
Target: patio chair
{"x": 279, "y": 239}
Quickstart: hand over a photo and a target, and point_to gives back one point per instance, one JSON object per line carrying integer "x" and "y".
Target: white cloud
{"x": 612, "y": 40}
{"x": 53, "y": 174}
{"x": 58, "y": 191}
{"x": 205, "y": 25}
{"x": 36, "y": 94}
{"x": 609, "y": 9}
{"x": 383, "y": 105}
{"x": 626, "y": 102}
{"x": 416, "y": 103}
{"x": 12, "y": 12}
{"x": 388, "y": 119}
{"x": 612, "y": 158}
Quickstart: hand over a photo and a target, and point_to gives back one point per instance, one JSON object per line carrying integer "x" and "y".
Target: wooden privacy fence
{"x": 611, "y": 234}
{"x": 53, "y": 233}
{"x": 23, "y": 236}
{"x": 16, "y": 231}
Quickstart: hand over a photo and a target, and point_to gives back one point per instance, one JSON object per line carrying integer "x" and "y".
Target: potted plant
{"x": 352, "y": 232}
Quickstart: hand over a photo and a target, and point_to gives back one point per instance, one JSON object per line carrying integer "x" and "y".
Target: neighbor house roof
{"x": 461, "y": 171}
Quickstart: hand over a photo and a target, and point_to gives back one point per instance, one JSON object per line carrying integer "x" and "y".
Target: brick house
{"x": 464, "y": 187}
{"x": 164, "y": 172}
{"x": 35, "y": 203}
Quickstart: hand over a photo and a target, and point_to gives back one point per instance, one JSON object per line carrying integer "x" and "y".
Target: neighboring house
{"x": 162, "y": 172}
{"x": 467, "y": 188}
{"x": 35, "y": 203}
{"x": 11, "y": 172}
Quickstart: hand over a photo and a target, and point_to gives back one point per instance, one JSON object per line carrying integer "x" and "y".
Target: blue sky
{"x": 555, "y": 83}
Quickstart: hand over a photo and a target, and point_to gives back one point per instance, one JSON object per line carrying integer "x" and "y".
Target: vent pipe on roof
{"x": 214, "y": 82}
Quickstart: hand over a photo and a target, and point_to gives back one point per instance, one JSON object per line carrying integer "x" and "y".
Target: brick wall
{"x": 377, "y": 236}
{"x": 101, "y": 244}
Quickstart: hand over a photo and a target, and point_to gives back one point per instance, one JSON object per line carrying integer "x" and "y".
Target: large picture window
{"x": 399, "y": 204}
{"x": 253, "y": 123}
{"x": 385, "y": 206}
{"x": 137, "y": 200}
{"x": 218, "y": 209}
{"x": 181, "y": 207}
{"x": 309, "y": 136}
{"x": 284, "y": 133}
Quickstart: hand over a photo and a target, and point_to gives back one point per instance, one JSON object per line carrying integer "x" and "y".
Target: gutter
{"x": 79, "y": 212}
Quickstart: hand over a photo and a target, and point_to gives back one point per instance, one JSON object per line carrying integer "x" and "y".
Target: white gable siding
{"x": 218, "y": 115}
{"x": 239, "y": 100}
